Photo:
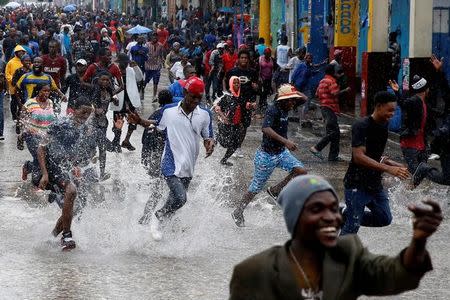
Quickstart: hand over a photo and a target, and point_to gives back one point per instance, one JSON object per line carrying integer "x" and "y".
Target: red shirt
{"x": 229, "y": 61}
{"x": 55, "y": 67}
{"x": 206, "y": 62}
{"x": 93, "y": 68}
{"x": 327, "y": 87}
{"x": 163, "y": 35}
{"x": 417, "y": 141}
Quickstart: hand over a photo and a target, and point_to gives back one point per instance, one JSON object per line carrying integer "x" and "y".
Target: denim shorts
{"x": 266, "y": 163}
{"x": 152, "y": 75}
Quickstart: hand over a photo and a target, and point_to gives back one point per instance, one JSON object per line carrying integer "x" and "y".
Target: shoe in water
{"x": 272, "y": 194}
{"x": 238, "y": 217}
{"x": 238, "y": 153}
{"x": 420, "y": 174}
{"x": 127, "y": 145}
{"x": 337, "y": 159}
{"x": 105, "y": 176}
{"x": 2, "y": 138}
{"x": 67, "y": 242}
{"x": 155, "y": 228}
{"x": 316, "y": 153}
{"x": 226, "y": 163}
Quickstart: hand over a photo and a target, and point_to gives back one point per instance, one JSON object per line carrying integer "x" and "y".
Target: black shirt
{"x": 247, "y": 76}
{"x": 277, "y": 119}
{"x": 366, "y": 132}
{"x": 76, "y": 89}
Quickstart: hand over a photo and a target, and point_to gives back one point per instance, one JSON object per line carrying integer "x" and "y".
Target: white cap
{"x": 82, "y": 62}
{"x": 220, "y": 45}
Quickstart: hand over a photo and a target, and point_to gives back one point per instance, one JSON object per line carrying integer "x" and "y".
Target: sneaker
{"x": 337, "y": 159}
{"x": 226, "y": 163}
{"x": 238, "y": 217}
{"x": 105, "y": 176}
{"x": 67, "y": 243}
{"x": 316, "y": 153}
{"x": 155, "y": 228}
{"x": 238, "y": 153}
{"x": 2, "y": 138}
{"x": 434, "y": 156}
{"x": 271, "y": 194}
{"x": 127, "y": 145}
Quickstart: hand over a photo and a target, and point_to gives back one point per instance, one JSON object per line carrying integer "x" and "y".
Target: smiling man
{"x": 317, "y": 263}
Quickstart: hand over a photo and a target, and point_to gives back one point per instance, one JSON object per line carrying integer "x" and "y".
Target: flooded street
{"x": 117, "y": 258}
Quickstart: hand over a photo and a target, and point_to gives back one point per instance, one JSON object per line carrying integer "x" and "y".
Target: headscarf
{"x": 233, "y": 92}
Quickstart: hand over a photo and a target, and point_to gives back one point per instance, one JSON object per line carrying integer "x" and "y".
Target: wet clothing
{"x": 349, "y": 271}
{"x": 177, "y": 196}
{"x": 76, "y": 89}
{"x": 332, "y": 135}
{"x": 40, "y": 118}
{"x": 373, "y": 136}
{"x": 326, "y": 92}
{"x": 356, "y": 200}
{"x": 153, "y": 146}
{"x": 277, "y": 119}
{"x": 183, "y": 134}
{"x": 265, "y": 163}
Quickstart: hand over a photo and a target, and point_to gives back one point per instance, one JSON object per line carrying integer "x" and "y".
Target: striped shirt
{"x": 28, "y": 82}
{"x": 155, "y": 56}
{"x": 327, "y": 93}
{"x": 40, "y": 116}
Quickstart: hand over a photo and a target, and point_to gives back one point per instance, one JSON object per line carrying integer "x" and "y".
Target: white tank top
{"x": 282, "y": 55}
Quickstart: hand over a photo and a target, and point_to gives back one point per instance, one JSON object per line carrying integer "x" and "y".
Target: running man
{"x": 362, "y": 181}
{"x": 58, "y": 159}
{"x": 275, "y": 150}
{"x": 185, "y": 123}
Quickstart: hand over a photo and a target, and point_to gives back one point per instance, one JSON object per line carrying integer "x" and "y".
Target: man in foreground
{"x": 58, "y": 162}
{"x": 318, "y": 264}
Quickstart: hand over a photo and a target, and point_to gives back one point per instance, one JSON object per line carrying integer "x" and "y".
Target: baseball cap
{"x": 195, "y": 85}
{"x": 288, "y": 91}
{"x": 82, "y": 62}
{"x": 220, "y": 45}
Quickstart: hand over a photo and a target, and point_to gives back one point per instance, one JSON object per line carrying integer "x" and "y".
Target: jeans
{"x": 177, "y": 196}
{"x": 355, "y": 215}
{"x": 2, "y": 119}
{"x": 414, "y": 157}
{"x": 332, "y": 135}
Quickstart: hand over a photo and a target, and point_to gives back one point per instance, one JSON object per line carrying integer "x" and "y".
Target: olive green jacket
{"x": 349, "y": 271}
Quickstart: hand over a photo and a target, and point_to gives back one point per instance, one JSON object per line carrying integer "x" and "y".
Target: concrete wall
{"x": 378, "y": 30}
{"x": 421, "y": 29}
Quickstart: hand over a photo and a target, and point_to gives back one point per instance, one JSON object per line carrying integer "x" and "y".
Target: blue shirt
{"x": 277, "y": 119}
{"x": 177, "y": 91}
{"x": 260, "y": 49}
{"x": 139, "y": 53}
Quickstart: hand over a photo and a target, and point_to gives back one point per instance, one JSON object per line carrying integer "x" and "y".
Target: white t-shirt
{"x": 177, "y": 69}
{"x": 283, "y": 55}
{"x": 183, "y": 136}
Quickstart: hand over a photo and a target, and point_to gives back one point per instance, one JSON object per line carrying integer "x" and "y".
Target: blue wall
{"x": 441, "y": 36}
{"x": 302, "y": 12}
{"x": 400, "y": 23}
{"x": 363, "y": 32}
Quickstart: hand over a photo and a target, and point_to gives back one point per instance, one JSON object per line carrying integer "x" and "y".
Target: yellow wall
{"x": 346, "y": 23}
{"x": 264, "y": 20}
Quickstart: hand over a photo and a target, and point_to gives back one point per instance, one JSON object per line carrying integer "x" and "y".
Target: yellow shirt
{"x": 11, "y": 67}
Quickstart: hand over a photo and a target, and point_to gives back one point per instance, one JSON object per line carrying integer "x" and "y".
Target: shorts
{"x": 56, "y": 176}
{"x": 266, "y": 163}
{"x": 152, "y": 75}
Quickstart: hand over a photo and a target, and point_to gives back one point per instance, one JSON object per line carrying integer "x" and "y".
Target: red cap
{"x": 230, "y": 43}
{"x": 195, "y": 85}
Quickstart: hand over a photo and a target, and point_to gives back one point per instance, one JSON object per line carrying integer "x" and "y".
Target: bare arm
{"x": 275, "y": 136}
{"x": 360, "y": 158}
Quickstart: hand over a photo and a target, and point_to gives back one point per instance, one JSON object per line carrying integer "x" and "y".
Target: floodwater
{"x": 116, "y": 257}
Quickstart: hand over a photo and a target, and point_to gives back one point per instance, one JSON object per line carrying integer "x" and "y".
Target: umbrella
{"x": 70, "y": 8}
{"x": 138, "y": 29}
{"x": 226, "y": 10}
{"x": 12, "y": 5}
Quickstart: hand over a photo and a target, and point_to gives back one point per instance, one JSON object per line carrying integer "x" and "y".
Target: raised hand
{"x": 426, "y": 219}
{"x": 437, "y": 63}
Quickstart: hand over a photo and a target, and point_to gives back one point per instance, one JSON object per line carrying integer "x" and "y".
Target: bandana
{"x": 233, "y": 92}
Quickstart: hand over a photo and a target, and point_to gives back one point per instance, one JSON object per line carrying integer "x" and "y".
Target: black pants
{"x": 332, "y": 135}
{"x": 442, "y": 177}
{"x": 414, "y": 157}
{"x": 102, "y": 144}
{"x": 265, "y": 93}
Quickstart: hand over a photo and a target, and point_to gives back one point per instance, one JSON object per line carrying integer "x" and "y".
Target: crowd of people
{"x": 46, "y": 55}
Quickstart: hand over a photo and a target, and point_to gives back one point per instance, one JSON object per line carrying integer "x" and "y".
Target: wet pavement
{"x": 117, "y": 258}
